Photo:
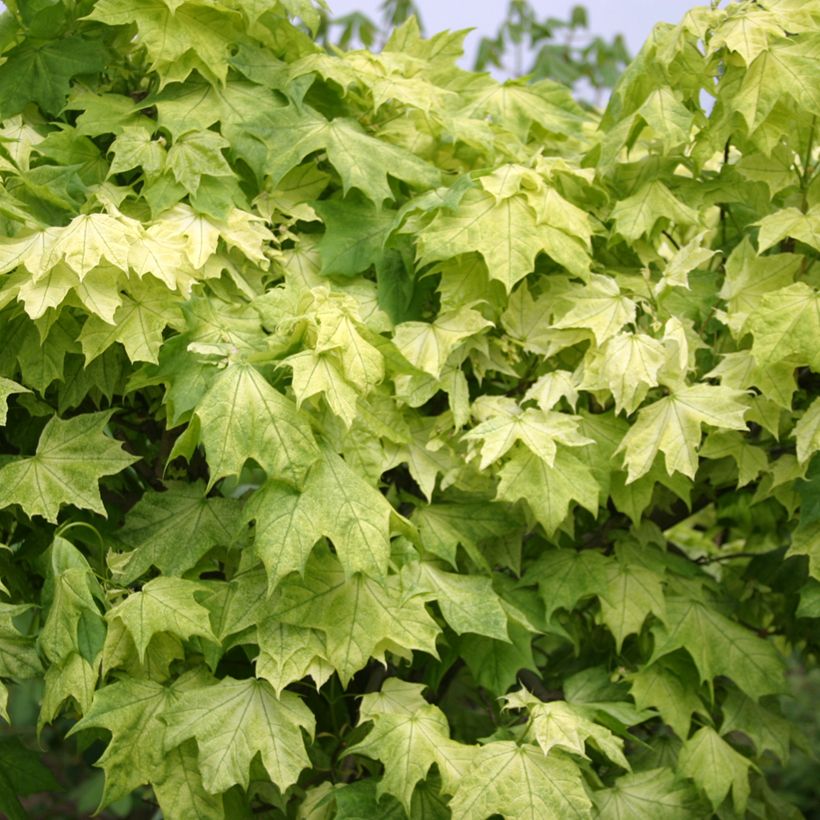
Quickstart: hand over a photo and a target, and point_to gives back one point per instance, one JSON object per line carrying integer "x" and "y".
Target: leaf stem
{"x": 703, "y": 560}
{"x": 807, "y": 171}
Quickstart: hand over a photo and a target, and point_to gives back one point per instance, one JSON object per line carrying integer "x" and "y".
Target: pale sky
{"x": 632, "y": 18}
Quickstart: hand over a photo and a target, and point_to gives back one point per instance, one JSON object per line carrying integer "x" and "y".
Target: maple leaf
{"x": 633, "y": 592}
{"x": 495, "y": 664}
{"x": 672, "y": 425}
{"x": 135, "y": 147}
{"x": 550, "y": 388}
{"x": 180, "y": 789}
{"x": 120, "y": 652}
{"x": 381, "y": 75}
{"x": 131, "y": 711}
{"x": 756, "y": 95}
{"x": 548, "y": 490}
{"x": 766, "y": 727}
{"x": 410, "y": 313}
{"x": 297, "y": 132}
{"x": 559, "y": 725}
{"x": 521, "y": 104}
{"x": 70, "y": 459}
{"x": 172, "y": 530}
{"x": 792, "y": 222}
{"x": 33, "y": 250}
{"x": 74, "y": 625}
{"x": 510, "y": 256}
{"x": 716, "y": 768}
{"x": 42, "y": 71}
{"x": 557, "y": 212}
{"x": 163, "y": 605}
{"x": 295, "y": 192}
{"x": 538, "y": 430}
{"x": 750, "y": 460}
{"x": 565, "y": 577}
{"x": 468, "y": 602}
{"x": 686, "y": 259}
{"x": 428, "y": 345}
{"x": 359, "y": 799}
{"x": 98, "y": 292}
{"x": 340, "y": 330}
{"x": 238, "y": 604}
{"x": 18, "y": 659}
{"x": 355, "y": 234}
{"x": 598, "y": 306}
{"x": 747, "y": 33}
{"x": 89, "y": 238}
{"x": 639, "y": 214}
{"x": 785, "y": 326}
{"x": 719, "y": 646}
{"x": 775, "y": 380}
{"x": 520, "y": 782}
{"x": 178, "y": 37}
{"x": 523, "y": 319}
{"x": 443, "y": 526}
{"x": 288, "y": 653}
{"x": 72, "y": 639}
{"x": 809, "y": 606}
{"x": 356, "y": 614}
{"x": 200, "y": 234}
{"x": 792, "y": 67}
{"x": 665, "y": 113}
{"x": 243, "y": 417}
{"x": 138, "y": 324}
{"x": 288, "y": 524}
{"x": 647, "y": 795}
{"x": 670, "y": 685}
{"x": 316, "y": 373}
{"x": 195, "y": 154}
{"x": 806, "y": 541}
{"x": 232, "y": 721}
{"x": 749, "y": 277}
{"x": 409, "y": 735}
{"x": 39, "y": 295}
{"x": 334, "y": 502}
{"x": 627, "y": 365}
{"x": 776, "y": 172}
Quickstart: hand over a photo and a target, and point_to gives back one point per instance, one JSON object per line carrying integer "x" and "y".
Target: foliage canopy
{"x": 380, "y": 439}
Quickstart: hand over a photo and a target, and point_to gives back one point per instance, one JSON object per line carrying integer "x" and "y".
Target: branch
{"x": 704, "y": 559}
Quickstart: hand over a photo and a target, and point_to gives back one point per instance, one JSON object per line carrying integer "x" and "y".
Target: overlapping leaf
{"x": 357, "y": 615}
{"x": 243, "y": 417}
{"x": 335, "y": 502}
{"x": 409, "y": 735}
{"x": 672, "y": 426}
{"x": 233, "y": 720}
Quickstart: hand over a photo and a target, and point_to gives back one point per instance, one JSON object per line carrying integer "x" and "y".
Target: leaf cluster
{"x": 380, "y": 439}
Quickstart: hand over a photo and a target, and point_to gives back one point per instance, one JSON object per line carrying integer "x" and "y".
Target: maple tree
{"x": 380, "y": 439}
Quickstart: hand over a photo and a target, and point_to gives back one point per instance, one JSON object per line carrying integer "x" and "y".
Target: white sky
{"x": 632, "y": 18}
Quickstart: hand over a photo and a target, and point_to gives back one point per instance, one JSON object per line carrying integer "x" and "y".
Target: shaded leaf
{"x": 71, "y": 458}
{"x": 163, "y": 605}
